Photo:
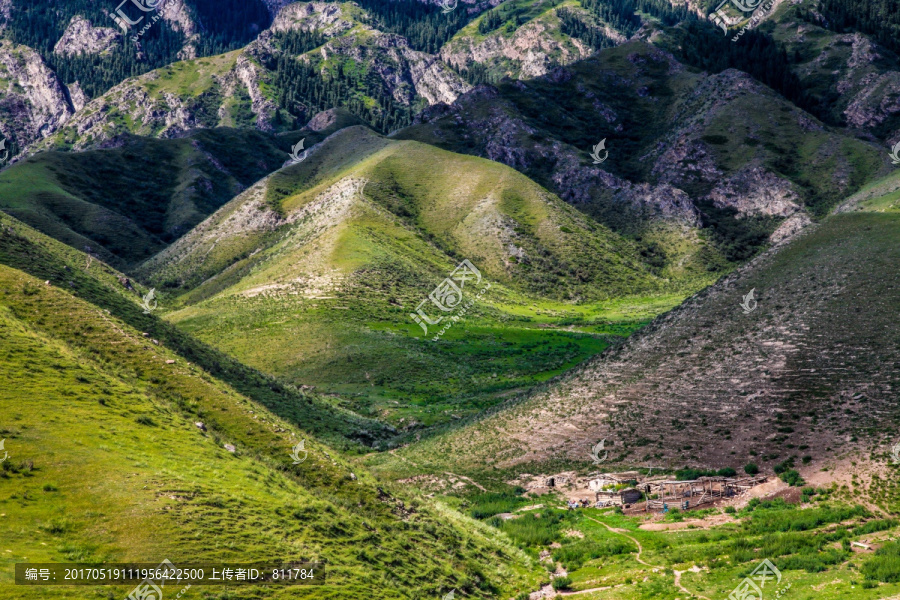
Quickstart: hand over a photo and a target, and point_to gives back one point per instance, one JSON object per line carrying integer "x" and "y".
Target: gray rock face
{"x": 756, "y": 191}
{"x": 156, "y": 108}
{"x": 33, "y": 97}
{"x": 81, "y": 37}
{"x": 534, "y": 49}
{"x": 178, "y": 16}
{"x": 77, "y": 96}
{"x": 874, "y": 96}
{"x": 489, "y": 127}
{"x": 325, "y": 18}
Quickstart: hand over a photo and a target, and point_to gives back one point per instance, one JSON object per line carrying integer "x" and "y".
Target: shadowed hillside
{"x": 811, "y": 371}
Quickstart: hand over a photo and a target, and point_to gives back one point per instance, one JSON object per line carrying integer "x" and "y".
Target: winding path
{"x": 640, "y": 548}
{"x": 622, "y": 533}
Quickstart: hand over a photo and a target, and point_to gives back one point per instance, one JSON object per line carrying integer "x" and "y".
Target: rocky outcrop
{"x": 532, "y": 50}
{"x": 325, "y": 18}
{"x": 407, "y": 73}
{"x": 863, "y": 83}
{"x": 81, "y": 37}
{"x": 755, "y": 191}
{"x": 77, "y": 96}
{"x": 790, "y": 228}
{"x": 177, "y": 15}
{"x": 249, "y": 74}
{"x": 489, "y": 126}
{"x": 32, "y": 98}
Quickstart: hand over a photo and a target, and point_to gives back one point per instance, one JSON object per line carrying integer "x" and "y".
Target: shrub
{"x": 730, "y": 510}
{"x": 792, "y": 477}
{"x": 751, "y": 469}
{"x": 688, "y": 473}
{"x": 873, "y": 526}
{"x": 561, "y": 583}
{"x": 884, "y": 566}
{"x": 784, "y": 466}
{"x": 145, "y": 420}
{"x": 490, "y": 504}
{"x": 726, "y": 472}
{"x": 814, "y": 563}
{"x": 786, "y": 518}
{"x": 574, "y": 555}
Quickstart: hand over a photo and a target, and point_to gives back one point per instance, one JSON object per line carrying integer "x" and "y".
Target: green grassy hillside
{"x": 127, "y": 203}
{"x": 105, "y": 464}
{"x": 322, "y": 263}
{"x": 809, "y": 373}
{"x": 23, "y": 248}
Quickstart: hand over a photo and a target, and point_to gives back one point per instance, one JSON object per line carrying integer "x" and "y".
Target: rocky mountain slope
{"x": 683, "y": 151}
{"x": 33, "y": 100}
{"x": 128, "y": 201}
{"x": 263, "y": 85}
{"x": 856, "y": 80}
{"x": 529, "y": 43}
{"x": 805, "y": 366}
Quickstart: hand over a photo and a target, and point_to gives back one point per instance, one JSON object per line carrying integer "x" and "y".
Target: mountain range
{"x": 335, "y": 282}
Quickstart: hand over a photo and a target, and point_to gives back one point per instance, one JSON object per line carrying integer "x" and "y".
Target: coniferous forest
{"x": 225, "y": 25}
{"x": 304, "y": 90}
{"x": 426, "y": 26}
{"x": 878, "y": 18}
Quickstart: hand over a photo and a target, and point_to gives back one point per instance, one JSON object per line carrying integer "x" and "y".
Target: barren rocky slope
{"x": 809, "y": 365}
{"x": 682, "y": 151}
{"x": 34, "y": 101}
